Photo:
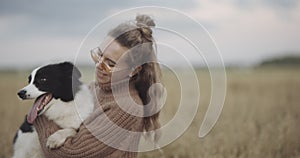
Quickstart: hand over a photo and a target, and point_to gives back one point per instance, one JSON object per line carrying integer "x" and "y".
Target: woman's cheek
{"x": 103, "y": 78}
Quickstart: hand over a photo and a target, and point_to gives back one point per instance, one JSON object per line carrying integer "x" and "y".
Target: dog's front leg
{"x": 58, "y": 138}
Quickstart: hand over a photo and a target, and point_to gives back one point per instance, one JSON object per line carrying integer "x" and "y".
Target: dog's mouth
{"x": 38, "y": 106}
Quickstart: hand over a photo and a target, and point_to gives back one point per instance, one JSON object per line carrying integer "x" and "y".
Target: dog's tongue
{"x": 34, "y": 110}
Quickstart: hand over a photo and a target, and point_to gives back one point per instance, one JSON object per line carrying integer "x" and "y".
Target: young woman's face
{"x": 111, "y": 62}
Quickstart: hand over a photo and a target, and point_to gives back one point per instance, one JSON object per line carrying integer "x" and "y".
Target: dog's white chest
{"x": 71, "y": 114}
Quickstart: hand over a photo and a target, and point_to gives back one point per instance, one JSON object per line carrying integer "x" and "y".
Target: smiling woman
{"x": 112, "y": 131}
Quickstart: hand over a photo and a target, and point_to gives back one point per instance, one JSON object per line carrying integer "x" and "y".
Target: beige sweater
{"x": 97, "y": 130}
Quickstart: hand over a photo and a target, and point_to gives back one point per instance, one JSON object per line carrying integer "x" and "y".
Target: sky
{"x": 35, "y": 32}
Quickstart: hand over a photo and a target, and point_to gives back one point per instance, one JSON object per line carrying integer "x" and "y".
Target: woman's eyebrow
{"x": 111, "y": 60}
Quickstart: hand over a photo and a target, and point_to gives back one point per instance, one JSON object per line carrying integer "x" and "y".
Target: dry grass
{"x": 260, "y": 118}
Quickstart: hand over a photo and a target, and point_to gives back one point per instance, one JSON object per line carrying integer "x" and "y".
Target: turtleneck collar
{"x": 116, "y": 86}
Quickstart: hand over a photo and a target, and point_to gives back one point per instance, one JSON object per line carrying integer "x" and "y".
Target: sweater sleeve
{"x": 86, "y": 142}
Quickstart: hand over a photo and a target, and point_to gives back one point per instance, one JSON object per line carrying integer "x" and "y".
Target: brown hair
{"x": 137, "y": 36}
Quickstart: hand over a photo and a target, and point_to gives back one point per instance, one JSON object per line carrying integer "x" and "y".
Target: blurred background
{"x": 258, "y": 41}
{"x": 246, "y": 31}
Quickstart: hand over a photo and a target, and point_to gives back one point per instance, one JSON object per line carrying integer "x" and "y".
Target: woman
{"x": 123, "y": 76}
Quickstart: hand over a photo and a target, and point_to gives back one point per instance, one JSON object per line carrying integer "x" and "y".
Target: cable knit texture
{"x": 108, "y": 124}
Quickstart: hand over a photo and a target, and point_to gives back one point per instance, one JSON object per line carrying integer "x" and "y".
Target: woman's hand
{"x": 45, "y": 127}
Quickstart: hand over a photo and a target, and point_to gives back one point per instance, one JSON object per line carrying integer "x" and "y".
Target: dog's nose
{"x": 22, "y": 94}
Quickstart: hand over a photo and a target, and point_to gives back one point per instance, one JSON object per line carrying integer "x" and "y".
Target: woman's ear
{"x": 135, "y": 71}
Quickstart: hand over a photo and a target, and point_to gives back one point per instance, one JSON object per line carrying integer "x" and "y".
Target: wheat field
{"x": 260, "y": 118}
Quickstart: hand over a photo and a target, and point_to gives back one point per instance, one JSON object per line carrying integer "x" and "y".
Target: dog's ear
{"x": 76, "y": 72}
{"x": 70, "y": 69}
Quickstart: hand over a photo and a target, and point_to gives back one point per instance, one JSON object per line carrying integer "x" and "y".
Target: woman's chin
{"x": 103, "y": 81}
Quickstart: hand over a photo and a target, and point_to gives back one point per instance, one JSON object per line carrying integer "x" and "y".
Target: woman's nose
{"x": 101, "y": 65}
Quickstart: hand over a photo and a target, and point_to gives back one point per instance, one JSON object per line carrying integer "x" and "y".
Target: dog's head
{"x": 58, "y": 81}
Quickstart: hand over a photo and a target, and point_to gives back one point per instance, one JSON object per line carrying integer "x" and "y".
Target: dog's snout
{"x": 22, "y": 94}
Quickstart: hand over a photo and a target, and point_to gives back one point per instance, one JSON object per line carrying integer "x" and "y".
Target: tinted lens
{"x": 105, "y": 67}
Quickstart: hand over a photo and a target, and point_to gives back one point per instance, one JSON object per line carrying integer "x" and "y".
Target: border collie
{"x": 61, "y": 97}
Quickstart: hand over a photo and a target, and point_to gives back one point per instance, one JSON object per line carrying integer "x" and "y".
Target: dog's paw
{"x": 55, "y": 141}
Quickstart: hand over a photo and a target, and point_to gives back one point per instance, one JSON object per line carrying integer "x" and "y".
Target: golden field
{"x": 260, "y": 118}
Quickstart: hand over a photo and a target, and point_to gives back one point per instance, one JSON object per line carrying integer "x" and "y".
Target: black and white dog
{"x": 61, "y": 97}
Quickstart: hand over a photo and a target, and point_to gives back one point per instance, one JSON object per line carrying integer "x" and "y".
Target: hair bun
{"x": 142, "y": 20}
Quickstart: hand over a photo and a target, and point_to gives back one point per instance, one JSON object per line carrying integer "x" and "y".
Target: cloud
{"x": 12, "y": 23}
{"x": 70, "y": 17}
{"x": 38, "y": 51}
{"x": 247, "y": 35}
{"x": 287, "y": 4}
{"x": 245, "y": 30}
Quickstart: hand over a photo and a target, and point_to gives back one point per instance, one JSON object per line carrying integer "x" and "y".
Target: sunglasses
{"x": 97, "y": 56}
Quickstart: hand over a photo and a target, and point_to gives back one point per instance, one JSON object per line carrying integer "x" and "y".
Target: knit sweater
{"x": 107, "y": 132}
